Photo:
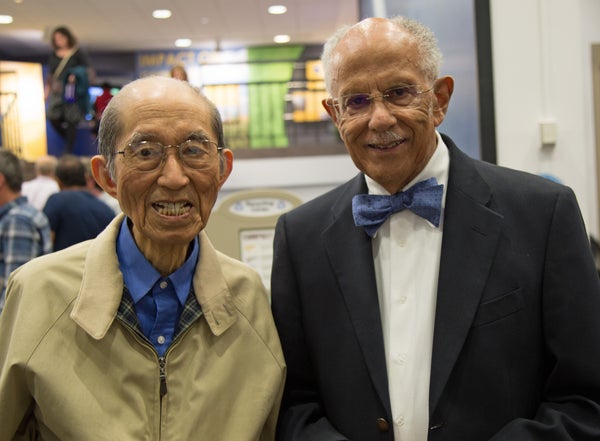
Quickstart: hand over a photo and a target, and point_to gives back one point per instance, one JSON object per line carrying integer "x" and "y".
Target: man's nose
{"x": 173, "y": 173}
{"x": 382, "y": 117}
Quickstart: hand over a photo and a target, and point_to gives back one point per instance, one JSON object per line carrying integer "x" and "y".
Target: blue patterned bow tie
{"x": 424, "y": 199}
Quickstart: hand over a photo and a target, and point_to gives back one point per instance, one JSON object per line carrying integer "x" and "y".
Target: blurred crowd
{"x": 45, "y": 206}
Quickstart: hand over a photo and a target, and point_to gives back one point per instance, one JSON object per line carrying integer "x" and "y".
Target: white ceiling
{"x": 127, "y": 25}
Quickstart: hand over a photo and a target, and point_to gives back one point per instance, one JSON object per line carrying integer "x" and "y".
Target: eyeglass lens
{"x": 398, "y": 96}
{"x": 148, "y": 155}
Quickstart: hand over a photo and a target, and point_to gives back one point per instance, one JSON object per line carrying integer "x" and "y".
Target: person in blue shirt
{"x": 74, "y": 213}
{"x": 24, "y": 230}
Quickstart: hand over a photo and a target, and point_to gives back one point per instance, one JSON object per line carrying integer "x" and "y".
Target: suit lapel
{"x": 351, "y": 256}
{"x": 471, "y": 232}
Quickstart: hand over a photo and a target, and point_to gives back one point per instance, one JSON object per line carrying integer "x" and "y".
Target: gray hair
{"x": 111, "y": 125}
{"x": 430, "y": 55}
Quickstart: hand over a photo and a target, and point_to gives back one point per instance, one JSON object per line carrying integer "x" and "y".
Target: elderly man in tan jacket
{"x": 146, "y": 332}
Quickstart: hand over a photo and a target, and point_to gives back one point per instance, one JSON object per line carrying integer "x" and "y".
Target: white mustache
{"x": 386, "y": 138}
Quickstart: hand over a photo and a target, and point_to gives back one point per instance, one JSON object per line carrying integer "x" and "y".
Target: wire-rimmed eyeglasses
{"x": 149, "y": 155}
{"x": 355, "y": 104}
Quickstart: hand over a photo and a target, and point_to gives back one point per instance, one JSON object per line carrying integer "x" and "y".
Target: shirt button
{"x": 400, "y": 359}
{"x": 382, "y": 425}
{"x": 402, "y": 300}
{"x": 399, "y": 421}
{"x": 163, "y": 284}
{"x": 160, "y": 339}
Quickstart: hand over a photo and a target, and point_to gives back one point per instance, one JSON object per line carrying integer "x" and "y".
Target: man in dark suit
{"x": 471, "y": 313}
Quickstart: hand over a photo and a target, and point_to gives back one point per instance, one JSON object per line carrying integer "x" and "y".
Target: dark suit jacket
{"x": 516, "y": 352}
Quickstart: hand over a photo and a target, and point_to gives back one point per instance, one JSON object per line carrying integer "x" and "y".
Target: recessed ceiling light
{"x": 6, "y": 19}
{"x": 183, "y": 42}
{"x": 277, "y": 9}
{"x": 281, "y": 38}
{"x": 161, "y": 13}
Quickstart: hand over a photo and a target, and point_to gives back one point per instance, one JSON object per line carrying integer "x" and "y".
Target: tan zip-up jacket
{"x": 70, "y": 370}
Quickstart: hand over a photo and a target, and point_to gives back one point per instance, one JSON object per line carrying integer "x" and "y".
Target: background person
{"x": 24, "y": 230}
{"x": 38, "y": 189}
{"x": 74, "y": 213}
{"x": 146, "y": 332}
{"x": 469, "y": 315}
{"x": 100, "y": 104}
{"x": 178, "y": 72}
{"x": 67, "y": 87}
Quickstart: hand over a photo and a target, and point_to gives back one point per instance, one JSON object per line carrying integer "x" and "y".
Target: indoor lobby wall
{"x": 542, "y": 62}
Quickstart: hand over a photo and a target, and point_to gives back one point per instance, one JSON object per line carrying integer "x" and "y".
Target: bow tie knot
{"x": 424, "y": 199}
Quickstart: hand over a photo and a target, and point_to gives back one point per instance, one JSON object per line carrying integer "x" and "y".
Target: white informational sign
{"x": 256, "y": 248}
{"x": 243, "y": 226}
{"x": 261, "y": 207}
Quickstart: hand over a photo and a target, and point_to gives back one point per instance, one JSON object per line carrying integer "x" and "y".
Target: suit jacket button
{"x": 383, "y": 425}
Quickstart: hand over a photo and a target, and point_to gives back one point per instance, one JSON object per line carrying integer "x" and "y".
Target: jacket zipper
{"x": 163, "y": 389}
{"x": 162, "y": 364}
{"x": 163, "y": 378}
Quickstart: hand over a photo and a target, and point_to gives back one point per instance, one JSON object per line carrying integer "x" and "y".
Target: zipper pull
{"x": 163, "y": 377}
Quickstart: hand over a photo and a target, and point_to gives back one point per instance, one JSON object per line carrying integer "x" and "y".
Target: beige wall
{"x": 26, "y": 80}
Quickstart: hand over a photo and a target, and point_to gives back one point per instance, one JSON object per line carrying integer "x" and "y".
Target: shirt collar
{"x": 138, "y": 273}
{"x": 437, "y": 167}
{"x": 9, "y": 205}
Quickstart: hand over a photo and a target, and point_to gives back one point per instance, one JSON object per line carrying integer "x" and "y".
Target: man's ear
{"x": 226, "y": 165}
{"x": 102, "y": 176}
{"x": 443, "y": 89}
{"x": 331, "y": 109}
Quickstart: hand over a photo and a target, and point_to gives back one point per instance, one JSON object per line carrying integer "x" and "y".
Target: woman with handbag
{"x": 67, "y": 88}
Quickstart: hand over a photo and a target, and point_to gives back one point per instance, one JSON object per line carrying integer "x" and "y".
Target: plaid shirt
{"x": 24, "y": 234}
{"x": 191, "y": 312}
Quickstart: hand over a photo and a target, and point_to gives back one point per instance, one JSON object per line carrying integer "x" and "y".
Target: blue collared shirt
{"x": 158, "y": 300}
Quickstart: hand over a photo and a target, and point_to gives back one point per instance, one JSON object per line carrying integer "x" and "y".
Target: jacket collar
{"x": 101, "y": 287}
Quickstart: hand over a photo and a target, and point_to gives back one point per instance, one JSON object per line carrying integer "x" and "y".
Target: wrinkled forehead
{"x": 163, "y": 105}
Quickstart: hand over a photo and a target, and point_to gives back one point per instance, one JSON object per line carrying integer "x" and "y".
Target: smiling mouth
{"x": 386, "y": 146}
{"x": 172, "y": 208}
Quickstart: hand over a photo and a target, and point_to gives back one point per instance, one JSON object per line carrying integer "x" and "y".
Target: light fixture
{"x": 277, "y": 9}
{"x": 183, "y": 42}
{"x": 161, "y": 13}
{"x": 281, "y": 38}
{"x": 6, "y": 19}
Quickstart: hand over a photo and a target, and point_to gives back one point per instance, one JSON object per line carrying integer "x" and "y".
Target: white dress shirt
{"x": 38, "y": 190}
{"x": 407, "y": 251}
